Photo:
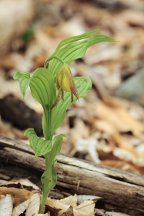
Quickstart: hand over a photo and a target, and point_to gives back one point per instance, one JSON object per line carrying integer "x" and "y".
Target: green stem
{"x": 47, "y": 124}
{"x": 53, "y": 57}
{"x": 46, "y": 183}
{"x": 47, "y": 178}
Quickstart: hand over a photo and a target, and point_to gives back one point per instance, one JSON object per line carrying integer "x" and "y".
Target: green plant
{"x": 28, "y": 35}
{"x": 55, "y": 89}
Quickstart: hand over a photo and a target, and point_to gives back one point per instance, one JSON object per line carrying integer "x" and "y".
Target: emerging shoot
{"x": 55, "y": 89}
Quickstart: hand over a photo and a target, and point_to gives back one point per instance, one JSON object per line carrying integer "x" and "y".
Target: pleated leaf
{"x": 44, "y": 91}
{"x": 39, "y": 145}
{"x": 42, "y": 87}
{"x": 24, "y": 79}
{"x": 56, "y": 146}
{"x": 74, "y": 48}
{"x": 75, "y": 38}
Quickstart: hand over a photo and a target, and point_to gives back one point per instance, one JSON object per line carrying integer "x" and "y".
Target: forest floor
{"x": 107, "y": 126}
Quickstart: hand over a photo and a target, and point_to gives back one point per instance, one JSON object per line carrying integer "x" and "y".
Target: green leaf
{"x": 24, "y": 79}
{"x": 56, "y": 146}
{"x": 99, "y": 39}
{"x": 49, "y": 180}
{"x": 50, "y": 158}
{"x": 83, "y": 86}
{"x": 49, "y": 177}
{"x": 75, "y": 38}
{"x": 29, "y": 34}
{"x": 73, "y": 48}
{"x": 42, "y": 87}
{"x": 44, "y": 91}
{"x": 40, "y": 146}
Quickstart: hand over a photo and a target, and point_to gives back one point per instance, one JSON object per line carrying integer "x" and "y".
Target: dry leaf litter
{"x": 102, "y": 127}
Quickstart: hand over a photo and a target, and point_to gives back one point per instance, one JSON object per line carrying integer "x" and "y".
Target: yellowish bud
{"x": 65, "y": 82}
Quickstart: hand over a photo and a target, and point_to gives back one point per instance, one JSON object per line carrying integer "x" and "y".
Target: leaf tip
{"x": 15, "y": 76}
{"x": 28, "y": 131}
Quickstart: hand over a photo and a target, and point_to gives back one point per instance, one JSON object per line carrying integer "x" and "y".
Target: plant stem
{"x": 46, "y": 183}
{"x": 46, "y": 177}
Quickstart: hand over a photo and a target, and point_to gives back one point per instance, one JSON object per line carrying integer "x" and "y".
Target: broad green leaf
{"x": 40, "y": 146}
{"x": 42, "y": 87}
{"x": 44, "y": 91}
{"x": 83, "y": 86}
{"x": 71, "y": 40}
{"x": 75, "y": 38}
{"x": 50, "y": 159}
{"x": 73, "y": 48}
{"x": 24, "y": 79}
{"x": 56, "y": 146}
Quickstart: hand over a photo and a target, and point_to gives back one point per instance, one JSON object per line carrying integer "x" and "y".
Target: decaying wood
{"x": 116, "y": 187}
{"x": 16, "y": 112}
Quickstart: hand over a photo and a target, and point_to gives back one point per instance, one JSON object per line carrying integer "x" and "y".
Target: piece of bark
{"x": 19, "y": 114}
{"x": 116, "y": 187}
{"x": 15, "y": 18}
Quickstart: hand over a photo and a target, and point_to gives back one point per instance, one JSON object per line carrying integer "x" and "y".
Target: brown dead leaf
{"x": 19, "y": 209}
{"x": 124, "y": 143}
{"x": 19, "y": 195}
{"x": 104, "y": 126}
{"x": 34, "y": 203}
{"x": 85, "y": 209}
{"x": 79, "y": 131}
{"x": 119, "y": 118}
{"x": 39, "y": 61}
{"x": 6, "y": 205}
{"x": 69, "y": 205}
{"x": 63, "y": 205}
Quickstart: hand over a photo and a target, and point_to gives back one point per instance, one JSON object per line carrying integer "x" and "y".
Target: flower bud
{"x": 65, "y": 82}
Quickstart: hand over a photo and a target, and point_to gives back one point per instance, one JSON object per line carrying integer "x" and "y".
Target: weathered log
{"x": 116, "y": 187}
{"x": 15, "y": 111}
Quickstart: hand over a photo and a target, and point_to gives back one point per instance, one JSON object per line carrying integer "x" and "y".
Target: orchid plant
{"x": 55, "y": 89}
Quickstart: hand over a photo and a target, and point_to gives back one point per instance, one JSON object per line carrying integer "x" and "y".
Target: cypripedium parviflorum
{"x": 65, "y": 82}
